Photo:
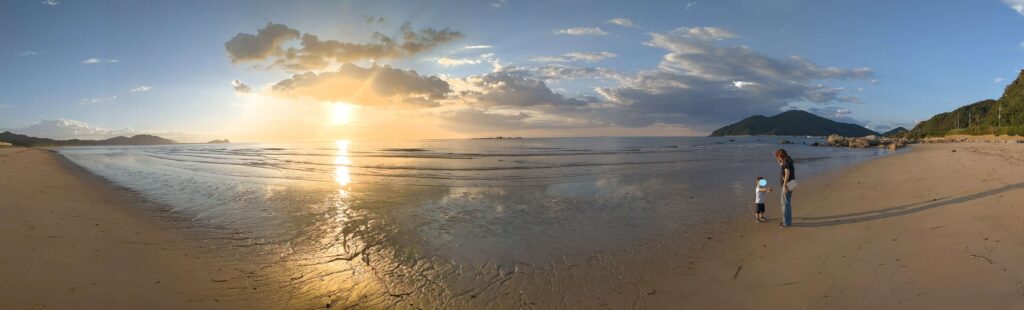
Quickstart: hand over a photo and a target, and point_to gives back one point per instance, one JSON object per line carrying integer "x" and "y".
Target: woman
{"x": 788, "y": 174}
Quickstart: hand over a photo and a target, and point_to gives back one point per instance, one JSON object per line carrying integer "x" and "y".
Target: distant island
{"x": 791, "y": 123}
{"x": 500, "y": 138}
{"x": 225, "y": 141}
{"x": 27, "y": 141}
{"x": 1003, "y": 116}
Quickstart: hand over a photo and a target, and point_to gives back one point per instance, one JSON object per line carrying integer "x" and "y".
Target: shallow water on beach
{"x": 452, "y": 223}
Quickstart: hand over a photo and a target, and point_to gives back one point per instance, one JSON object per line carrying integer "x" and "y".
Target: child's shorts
{"x": 760, "y": 208}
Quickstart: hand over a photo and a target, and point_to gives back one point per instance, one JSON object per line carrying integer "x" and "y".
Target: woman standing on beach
{"x": 788, "y": 174}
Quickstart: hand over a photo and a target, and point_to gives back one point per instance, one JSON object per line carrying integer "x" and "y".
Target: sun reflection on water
{"x": 342, "y": 162}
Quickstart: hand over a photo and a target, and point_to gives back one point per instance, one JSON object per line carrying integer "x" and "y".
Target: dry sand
{"x": 926, "y": 228}
{"x": 71, "y": 241}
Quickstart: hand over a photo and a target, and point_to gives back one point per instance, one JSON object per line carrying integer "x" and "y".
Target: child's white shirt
{"x": 758, "y": 195}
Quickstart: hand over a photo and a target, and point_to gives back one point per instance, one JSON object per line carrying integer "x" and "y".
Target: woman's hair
{"x": 781, "y": 153}
{"x": 759, "y": 178}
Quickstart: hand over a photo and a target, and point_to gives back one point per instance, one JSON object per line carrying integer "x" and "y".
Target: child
{"x": 759, "y": 199}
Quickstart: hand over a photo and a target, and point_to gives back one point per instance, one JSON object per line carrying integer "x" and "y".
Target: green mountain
{"x": 792, "y": 123}
{"x": 896, "y": 132}
{"x": 1002, "y": 116}
{"x": 23, "y": 140}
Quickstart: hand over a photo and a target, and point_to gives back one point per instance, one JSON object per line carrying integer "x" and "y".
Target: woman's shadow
{"x": 841, "y": 219}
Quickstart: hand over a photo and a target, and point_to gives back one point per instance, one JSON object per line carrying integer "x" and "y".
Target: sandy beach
{"x": 937, "y": 227}
{"x": 72, "y": 241}
{"x": 925, "y": 228}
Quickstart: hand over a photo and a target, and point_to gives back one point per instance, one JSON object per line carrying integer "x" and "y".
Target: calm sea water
{"x": 442, "y": 223}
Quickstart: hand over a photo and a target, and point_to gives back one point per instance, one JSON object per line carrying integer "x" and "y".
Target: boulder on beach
{"x": 836, "y": 140}
{"x": 860, "y": 142}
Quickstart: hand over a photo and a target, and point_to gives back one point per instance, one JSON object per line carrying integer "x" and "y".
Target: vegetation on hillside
{"x": 1004, "y": 116}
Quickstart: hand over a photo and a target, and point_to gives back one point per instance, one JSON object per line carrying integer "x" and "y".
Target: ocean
{"x": 454, "y": 223}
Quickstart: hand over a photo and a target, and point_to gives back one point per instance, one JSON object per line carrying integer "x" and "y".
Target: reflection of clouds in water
{"x": 604, "y": 188}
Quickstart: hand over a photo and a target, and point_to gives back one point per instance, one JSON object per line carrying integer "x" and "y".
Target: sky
{"x": 327, "y": 70}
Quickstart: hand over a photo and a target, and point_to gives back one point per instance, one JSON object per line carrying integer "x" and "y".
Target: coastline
{"x": 72, "y": 240}
{"x": 925, "y": 227}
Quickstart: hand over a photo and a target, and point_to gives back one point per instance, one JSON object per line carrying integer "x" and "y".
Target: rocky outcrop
{"x": 865, "y": 142}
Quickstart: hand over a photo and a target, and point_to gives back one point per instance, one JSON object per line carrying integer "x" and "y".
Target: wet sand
{"x": 71, "y": 241}
{"x": 926, "y": 228}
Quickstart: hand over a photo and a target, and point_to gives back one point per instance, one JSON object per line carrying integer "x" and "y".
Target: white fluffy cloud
{"x": 91, "y": 61}
{"x": 450, "y": 62}
{"x": 87, "y": 101}
{"x": 577, "y": 56}
{"x": 141, "y": 88}
{"x": 624, "y": 22}
{"x": 582, "y": 31}
{"x": 704, "y": 33}
{"x": 476, "y": 47}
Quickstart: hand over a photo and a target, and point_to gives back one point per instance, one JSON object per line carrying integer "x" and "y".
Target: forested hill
{"x": 1001, "y": 116}
{"x": 792, "y": 123}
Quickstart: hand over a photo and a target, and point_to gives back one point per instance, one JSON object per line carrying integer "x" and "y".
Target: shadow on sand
{"x": 840, "y": 219}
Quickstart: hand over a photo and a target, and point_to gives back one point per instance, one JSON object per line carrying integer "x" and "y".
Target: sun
{"x": 342, "y": 113}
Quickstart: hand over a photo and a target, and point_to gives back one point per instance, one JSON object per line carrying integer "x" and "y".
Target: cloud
{"x": 704, "y": 33}
{"x": 560, "y": 72}
{"x": 511, "y": 87}
{"x": 69, "y": 129}
{"x": 690, "y": 5}
{"x": 837, "y": 114}
{"x": 499, "y": 4}
{"x": 1016, "y": 5}
{"x": 379, "y": 85}
{"x": 624, "y": 22}
{"x": 87, "y": 101}
{"x": 315, "y": 54}
{"x": 375, "y": 19}
{"x": 240, "y": 87}
{"x": 742, "y": 84}
{"x": 50, "y": 2}
{"x": 28, "y": 53}
{"x": 702, "y": 84}
{"x": 577, "y": 56}
{"x": 581, "y": 31}
{"x": 449, "y": 62}
{"x": 142, "y": 88}
{"x": 98, "y": 60}
{"x": 266, "y": 42}
{"x": 997, "y": 80}
{"x": 6, "y": 106}
{"x": 474, "y": 47}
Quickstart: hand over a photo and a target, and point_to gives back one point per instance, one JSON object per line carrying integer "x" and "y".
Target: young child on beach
{"x": 762, "y": 187}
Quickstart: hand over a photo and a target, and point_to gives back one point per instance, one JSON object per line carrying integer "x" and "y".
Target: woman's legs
{"x": 787, "y": 209}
